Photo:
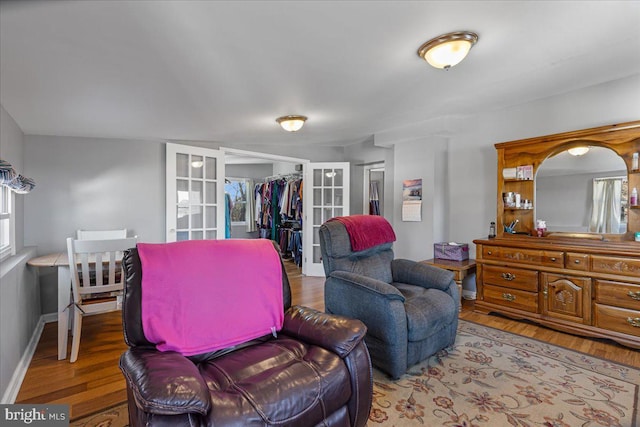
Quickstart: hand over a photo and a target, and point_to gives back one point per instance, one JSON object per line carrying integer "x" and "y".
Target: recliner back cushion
{"x": 374, "y": 262}
{"x": 376, "y": 265}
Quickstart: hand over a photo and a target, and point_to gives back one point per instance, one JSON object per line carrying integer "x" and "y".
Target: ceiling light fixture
{"x": 447, "y": 50}
{"x": 291, "y": 123}
{"x": 578, "y": 151}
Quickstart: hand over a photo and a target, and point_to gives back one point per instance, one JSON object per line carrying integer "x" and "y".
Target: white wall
{"x": 91, "y": 183}
{"x": 366, "y": 153}
{"x": 461, "y": 206}
{"x": 457, "y": 163}
{"x": 19, "y": 293}
{"x": 472, "y": 158}
{"x": 97, "y": 183}
{"x": 423, "y": 158}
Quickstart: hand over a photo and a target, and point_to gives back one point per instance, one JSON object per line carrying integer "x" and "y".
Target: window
{"x": 7, "y": 236}
{"x": 236, "y": 188}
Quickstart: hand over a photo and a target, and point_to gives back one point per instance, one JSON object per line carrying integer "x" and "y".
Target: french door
{"x": 195, "y": 199}
{"x": 195, "y": 193}
{"x": 325, "y": 195}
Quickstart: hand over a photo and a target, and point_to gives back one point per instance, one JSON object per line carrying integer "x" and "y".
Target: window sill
{"x": 11, "y": 262}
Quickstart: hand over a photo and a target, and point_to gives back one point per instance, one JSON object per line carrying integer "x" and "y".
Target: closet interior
{"x": 265, "y": 201}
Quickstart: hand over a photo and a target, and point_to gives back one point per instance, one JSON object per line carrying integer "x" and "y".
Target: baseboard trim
{"x": 50, "y": 317}
{"x": 11, "y": 393}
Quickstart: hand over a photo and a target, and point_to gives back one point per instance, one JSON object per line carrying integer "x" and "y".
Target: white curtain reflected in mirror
{"x": 607, "y": 210}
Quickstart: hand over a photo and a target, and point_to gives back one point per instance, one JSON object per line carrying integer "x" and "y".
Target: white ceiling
{"x": 223, "y": 71}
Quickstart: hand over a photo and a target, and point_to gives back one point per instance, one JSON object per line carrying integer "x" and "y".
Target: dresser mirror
{"x": 565, "y": 189}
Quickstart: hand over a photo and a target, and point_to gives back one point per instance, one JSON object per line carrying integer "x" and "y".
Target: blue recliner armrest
{"x": 369, "y": 284}
{"x": 419, "y": 274}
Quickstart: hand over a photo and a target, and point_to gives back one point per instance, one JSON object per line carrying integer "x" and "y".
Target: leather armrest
{"x": 336, "y": 333}
{"x": 165, "y": 383}
{"x": 420, "y": 274}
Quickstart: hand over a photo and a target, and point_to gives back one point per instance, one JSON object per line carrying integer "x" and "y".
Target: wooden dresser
{"x": 587, "y": 287}
{"x": 582, "y": 283}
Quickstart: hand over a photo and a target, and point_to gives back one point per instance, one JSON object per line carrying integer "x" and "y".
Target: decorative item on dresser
{"x": 579, "y": 282}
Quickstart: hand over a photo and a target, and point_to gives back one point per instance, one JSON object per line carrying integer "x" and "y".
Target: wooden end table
{"x": 461, "y": 269}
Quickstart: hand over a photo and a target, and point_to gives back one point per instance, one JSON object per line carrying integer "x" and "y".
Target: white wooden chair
{"x": 96, "y": 279}
{"x": 101, "y": 234}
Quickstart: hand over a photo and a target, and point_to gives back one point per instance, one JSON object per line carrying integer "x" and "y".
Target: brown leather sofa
{"x": 316, "y": 372}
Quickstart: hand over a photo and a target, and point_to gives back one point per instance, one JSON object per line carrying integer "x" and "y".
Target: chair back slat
{"x": 94, "y": 265}
{"x": 112, "y": 267}
{"x": 101, "y": 234}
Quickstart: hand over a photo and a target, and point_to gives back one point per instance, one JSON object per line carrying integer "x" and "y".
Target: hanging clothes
{"x": 228, "y": 205}
{"x": 374, "y": 201}
{"x": 278, "y": 214}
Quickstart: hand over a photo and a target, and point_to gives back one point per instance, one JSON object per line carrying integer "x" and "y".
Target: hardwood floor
{"x": 95, "y": 382}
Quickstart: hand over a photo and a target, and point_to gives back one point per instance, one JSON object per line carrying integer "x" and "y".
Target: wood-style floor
{"x": 95, "y": 382}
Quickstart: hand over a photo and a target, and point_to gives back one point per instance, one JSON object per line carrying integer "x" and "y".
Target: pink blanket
{"x": 366, "y": 231}
{"x": 205, "y": 295}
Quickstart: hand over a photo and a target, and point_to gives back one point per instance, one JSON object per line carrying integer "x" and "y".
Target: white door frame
{"x": 171, "y": 150}
{"x": 322, "y": 200}
{"x": 366, "y": 180}
{"x": 267, "y": 156}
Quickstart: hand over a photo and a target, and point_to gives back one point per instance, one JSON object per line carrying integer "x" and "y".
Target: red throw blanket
{"x": 366, "y": 231}
{"x": 205, "y": 295}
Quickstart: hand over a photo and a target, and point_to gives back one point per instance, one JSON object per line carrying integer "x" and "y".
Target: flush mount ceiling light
{"x": 578, "y": 151}
{"x": 291, "y": 123}
{"x": 447, "y": 50}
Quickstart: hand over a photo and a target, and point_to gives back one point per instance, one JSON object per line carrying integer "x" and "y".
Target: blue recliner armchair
{"x": 410, "y": 309}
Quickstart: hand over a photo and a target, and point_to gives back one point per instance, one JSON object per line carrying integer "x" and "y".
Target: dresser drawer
{"x": 510, "y": 277}
{"x": 617, "y": 319}
{"x": 512, "y": 298}
{"x": 524, "y": 256}
{"x": 491, "y": 252}
{"x": 552, "y": 259}
{"x": 576, "y": 261}
{"x": 618, "y": 294}
{"x": 615, "y": 265}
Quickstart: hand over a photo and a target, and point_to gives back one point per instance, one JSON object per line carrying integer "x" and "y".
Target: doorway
{"x": 326, "y": 195}
{"x": 196, "y": 202}
{"x": 373, "y": 189}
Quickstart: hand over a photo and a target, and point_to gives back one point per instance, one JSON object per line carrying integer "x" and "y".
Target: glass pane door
{"x": 195, "y": 194}
{"x": 326, "y": 195}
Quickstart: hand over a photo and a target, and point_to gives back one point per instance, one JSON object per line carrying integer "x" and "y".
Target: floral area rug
{"x": 492, "y": 378}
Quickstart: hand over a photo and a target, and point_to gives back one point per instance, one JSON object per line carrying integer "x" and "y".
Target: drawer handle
{"x": 577, "y": 261}
{"x": 553, "y": 259}
{"x": 510, "y": 297}
{"x": 489, "y": 253}
{"x": 634, "y": 295}
{"x": 508, "y": 276}
{"x": 635, "y": 322}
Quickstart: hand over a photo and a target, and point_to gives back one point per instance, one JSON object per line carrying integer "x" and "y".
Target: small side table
{"x": 461, "y": 269}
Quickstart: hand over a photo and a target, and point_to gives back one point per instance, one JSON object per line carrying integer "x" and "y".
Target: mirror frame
{"x": 623, "y": 139}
